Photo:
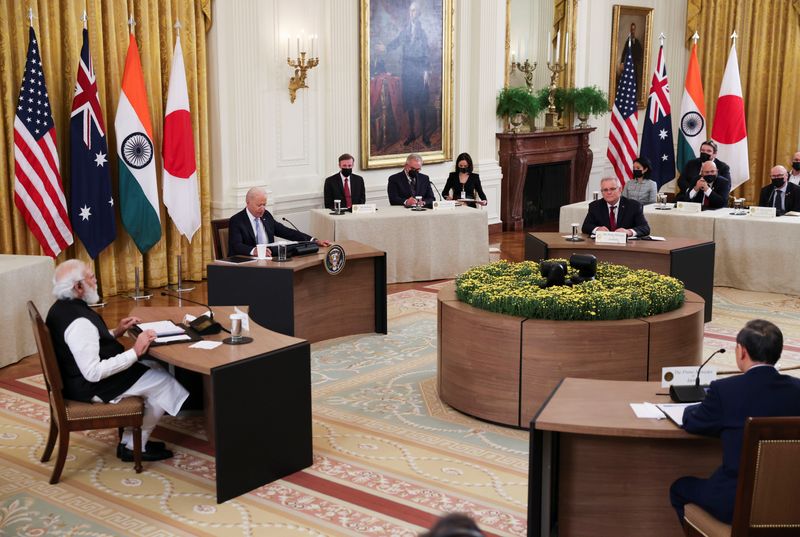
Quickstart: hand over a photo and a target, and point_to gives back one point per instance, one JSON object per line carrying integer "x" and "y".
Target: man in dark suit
{"x": 255, "y": 225}
{"x": 405, "y": 185}
{"x": 691, "y": 171}
{"x": 345, "y": 187}
{"x": 615, "y": 213}
{"x": 781, "y": 194}
{"x": 710, "y": 189}
{"x": 760, "y": 392}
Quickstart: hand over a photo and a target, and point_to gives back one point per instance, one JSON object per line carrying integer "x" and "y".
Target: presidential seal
{"x": 334, "y": 259}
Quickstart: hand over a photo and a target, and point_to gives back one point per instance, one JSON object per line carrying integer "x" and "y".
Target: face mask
{"x": 704, "y": 157}
{"x": 796, "y": 166}
{"x": 777, "y": 183}
{"x": 638, "y": 173}
{"x": 710, "y": 179}
{"x": 463, "y": 170}
{"x": 346, "y": 172}
{"x": 412, "y": 173}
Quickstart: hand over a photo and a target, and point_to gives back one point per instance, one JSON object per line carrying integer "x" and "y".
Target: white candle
{"x": 298, "y": 45}
{"x": 558, "y": 45}
{"x": 513, "y": 56}
{"x": 549, "y": 48}
{"x": 288, "y": 50}
{"x": 566, "y": 51}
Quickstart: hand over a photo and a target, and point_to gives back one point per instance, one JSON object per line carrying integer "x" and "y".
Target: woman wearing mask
{"x": 641, "y": 188}
{"x": 463, "y": 181}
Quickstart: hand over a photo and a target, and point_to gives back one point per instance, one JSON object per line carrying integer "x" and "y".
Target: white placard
{"x": 364, "y": 208}
{"x": 685, "y": 375}
{"x": 689, "y": 206}
{"x": 610, "y": 237}
{"x": 762, "y": 212}
{"x": 444, "y": 205}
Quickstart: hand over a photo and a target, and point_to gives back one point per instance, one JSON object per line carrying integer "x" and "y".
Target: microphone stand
{"x": 692, "y": 393}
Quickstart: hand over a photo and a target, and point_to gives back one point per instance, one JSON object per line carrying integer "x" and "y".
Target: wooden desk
{"x": 257, "y": 400}
{"x": 597, "y": 469}
{"x": 689, "y": 260}
{"x": 299, "y": 298}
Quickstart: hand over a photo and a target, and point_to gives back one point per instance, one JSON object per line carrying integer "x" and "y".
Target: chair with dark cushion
{"x": 768, "y": 490}
{"x": 67, "y": 416}
{"x": 219, "y": 232}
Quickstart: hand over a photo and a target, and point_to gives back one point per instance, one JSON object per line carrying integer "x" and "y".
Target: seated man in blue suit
{"x": 760, "y": 392}
{"x": 255, "y": 225}
{"x": 710, "y": 189}
{"x": 405, "y": 185}
{"x": 615, "y": 213}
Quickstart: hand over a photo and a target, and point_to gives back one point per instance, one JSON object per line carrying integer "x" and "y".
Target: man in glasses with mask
{"x": 405, "y": 185}
{"x": 781, "y": 194}
{"x": 691, "y": 171}
{"x": 710, "y": 189}
{"x": 345, "y": 186}
{"x": 794, "y": 174}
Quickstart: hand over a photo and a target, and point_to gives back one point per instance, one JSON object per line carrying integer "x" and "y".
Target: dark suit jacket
{"x": 791, "y": 200}
{"x": 399, "y": 190}
{"x": 471, "y": 187}
{"x": 718, "y": 197}
{"x": 760, "y": 392}
{"x": 334, "y": 190}
{"x": 241, "y": 239}
{"x": 629, "y": 215}
{"x": 691, "y": 173}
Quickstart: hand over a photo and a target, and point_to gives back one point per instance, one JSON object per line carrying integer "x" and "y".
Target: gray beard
{"x": 90, "y": 295}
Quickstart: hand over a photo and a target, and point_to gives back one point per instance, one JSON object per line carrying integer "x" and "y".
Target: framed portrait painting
{"x": 406, "y": 81}
{"x": 634, "y": 24}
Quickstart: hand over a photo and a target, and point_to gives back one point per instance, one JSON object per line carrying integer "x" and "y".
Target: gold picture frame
{"x": 623, "y": 17}
{"x": 406, "y": 81}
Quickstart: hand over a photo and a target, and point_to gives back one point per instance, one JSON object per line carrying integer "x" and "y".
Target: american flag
{"x": 91, "y": 203}
{"x": 38, "y": 193}
{"x": 623, "y": 140}
{"x": 657, "y": 133}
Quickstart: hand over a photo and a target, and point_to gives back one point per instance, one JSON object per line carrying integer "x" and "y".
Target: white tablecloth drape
{"x": 22, "y": 278}
{"x": 419, "y": 246}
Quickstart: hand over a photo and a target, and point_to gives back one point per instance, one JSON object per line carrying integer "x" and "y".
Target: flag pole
{"x": 139, "y": 291}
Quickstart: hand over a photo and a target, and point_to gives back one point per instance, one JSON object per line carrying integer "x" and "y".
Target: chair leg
{"x": 137, "y": 449}
{"x": 51, "y": 439}
{"x": 63, "y": 446}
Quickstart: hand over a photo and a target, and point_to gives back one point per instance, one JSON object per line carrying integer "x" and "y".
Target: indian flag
{"x": 138, "y": 191}
{"x": 693, "y": 114}
{"x": 180, "y": 166}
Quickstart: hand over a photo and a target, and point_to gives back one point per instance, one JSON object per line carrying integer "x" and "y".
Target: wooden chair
{"x": 67, "y": 416}
{"x": 768, "y": 490}
{"x": 219, "y": 232}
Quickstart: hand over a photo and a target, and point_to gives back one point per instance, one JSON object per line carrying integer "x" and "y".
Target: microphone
{"x": 290, "y": 223}
{"x": 692, "y": 394}
{"x": 205, "y": 325}
{"x": 437, "y": 190}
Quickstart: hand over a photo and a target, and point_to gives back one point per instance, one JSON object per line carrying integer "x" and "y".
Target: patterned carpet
{"x": 389, "y": 456}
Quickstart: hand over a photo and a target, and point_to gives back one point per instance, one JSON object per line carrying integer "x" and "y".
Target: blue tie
{"x": 259, "y": 232}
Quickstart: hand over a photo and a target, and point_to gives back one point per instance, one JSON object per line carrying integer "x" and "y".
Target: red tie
{"x": 348, "y": 199}
{"x": 705, "y": 200}
{"x": 611, "y": 219}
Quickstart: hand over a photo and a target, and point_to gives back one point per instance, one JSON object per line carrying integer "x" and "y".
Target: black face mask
{"x": 710, "y": 179}
{"x": 705, "y": 157}
{"x": 412, "y": 173}
{"x": 346, "y": 172}
{"x": 796, "y": 166}
{"x": 638, "y": 173}
{"x": 777, "y": 183}
{"x": 463, "y": 170}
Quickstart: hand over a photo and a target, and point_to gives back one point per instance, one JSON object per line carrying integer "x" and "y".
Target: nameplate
{"x": 763, "y": 212}
{"x": 610, "y": 237}
{"x": 689, "y": 207}
{"x": 444, "y": 205}
{"x": 685, "y": 375}
{"x": 364, "y": 208}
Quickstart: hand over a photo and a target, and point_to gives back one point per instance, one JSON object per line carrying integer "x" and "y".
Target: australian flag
{"x": 657, "y": 133}
{"x": 91, "y": 201}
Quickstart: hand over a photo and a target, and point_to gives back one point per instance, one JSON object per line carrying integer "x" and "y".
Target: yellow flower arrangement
{"x": 617, "y": 292}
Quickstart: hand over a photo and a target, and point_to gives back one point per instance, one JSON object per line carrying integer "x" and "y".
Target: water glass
{"x": 595, "y": 195}
{"x": 236, "y": 327}
{"x": 337, "y": 206}
{"x": 419, "y": 201}
{"x": 281, "y": 252}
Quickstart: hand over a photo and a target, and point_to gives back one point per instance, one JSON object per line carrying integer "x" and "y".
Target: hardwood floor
{"x": 510, "y": 244}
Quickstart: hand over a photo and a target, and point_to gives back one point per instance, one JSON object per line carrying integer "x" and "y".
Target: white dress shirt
{"x": 83, "y": 340}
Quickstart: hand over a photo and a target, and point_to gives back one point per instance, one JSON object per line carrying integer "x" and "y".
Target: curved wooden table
{"x": 501, "y": 368}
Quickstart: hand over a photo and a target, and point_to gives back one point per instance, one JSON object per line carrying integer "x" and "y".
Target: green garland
{"x": 617, "y": 292}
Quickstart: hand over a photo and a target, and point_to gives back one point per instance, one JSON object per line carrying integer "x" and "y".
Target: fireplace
{"x": 544, "y": 193}
{"x": 568, "y": 148}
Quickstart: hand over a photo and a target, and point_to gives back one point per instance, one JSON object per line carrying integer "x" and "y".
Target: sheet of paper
{"x": 170, "y": 339}
{"x": 647, "y": 410}
{"x": 207, "y": 345}
{"x": 657, "y": 238}
{"x": 162, "y": 328}
{"x": 674, "y": 411}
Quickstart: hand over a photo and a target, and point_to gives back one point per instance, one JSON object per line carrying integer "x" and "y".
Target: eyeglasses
{"x": 610, "y": 189}
{"x": 780, "y": 177}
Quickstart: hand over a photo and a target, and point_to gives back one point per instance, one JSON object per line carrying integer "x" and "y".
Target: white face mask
{"x": 90, "y": 295}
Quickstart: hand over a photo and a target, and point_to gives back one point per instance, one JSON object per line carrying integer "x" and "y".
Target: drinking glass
{"x": 337, "y": 206}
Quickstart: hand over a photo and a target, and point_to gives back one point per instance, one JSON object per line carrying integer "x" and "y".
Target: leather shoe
{"x": 152, "y": 445}
{"x": 126, "y": 455}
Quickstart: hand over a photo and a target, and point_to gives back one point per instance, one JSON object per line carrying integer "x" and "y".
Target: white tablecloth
{"x": 22, "y": 278}
{"x": 756, "y": 254}
{"x": 419, "y": 246}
